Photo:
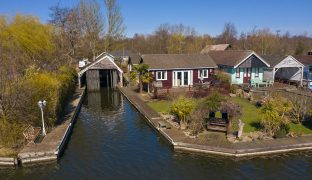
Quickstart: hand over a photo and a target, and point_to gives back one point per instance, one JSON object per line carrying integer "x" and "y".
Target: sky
{"x": 206, "y": 16}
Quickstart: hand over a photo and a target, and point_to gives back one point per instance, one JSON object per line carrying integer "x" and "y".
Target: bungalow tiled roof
{"x": 230, "y": 57}
{"x": 304, "y": 59}
{"x": 135, "y": 58}
{"x": 178, "y": 61}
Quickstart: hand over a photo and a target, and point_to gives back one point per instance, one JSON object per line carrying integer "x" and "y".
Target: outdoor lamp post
{"x": 42, "y": 104}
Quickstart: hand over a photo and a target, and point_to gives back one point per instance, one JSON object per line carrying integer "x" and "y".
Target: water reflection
{"x": 111, "y": 140}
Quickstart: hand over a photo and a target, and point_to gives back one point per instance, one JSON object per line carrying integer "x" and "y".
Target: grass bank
{"x": 251, "y": 115}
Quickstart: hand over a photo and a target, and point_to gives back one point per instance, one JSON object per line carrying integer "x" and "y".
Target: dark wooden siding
{"x": 252, "y": 61}
{"x": 196, "y": 79}
{"x": 166, "y": 83}
{"x": 93, "y": 80}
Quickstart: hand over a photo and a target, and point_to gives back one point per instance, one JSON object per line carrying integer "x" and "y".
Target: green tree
{"x": 176, "y": 43}
{"x": 273, "y": 111}
{"x": 144, "y": 75}
{"x": 213, "y": 101}
{"x": 182, "y": 107}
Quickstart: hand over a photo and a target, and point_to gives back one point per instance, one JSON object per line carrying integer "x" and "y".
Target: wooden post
{"x": 111, "y": 78}
{"x": 107, "y": 82}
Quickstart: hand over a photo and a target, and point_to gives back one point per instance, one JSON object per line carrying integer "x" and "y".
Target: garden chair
{"x": 253, "y": 83}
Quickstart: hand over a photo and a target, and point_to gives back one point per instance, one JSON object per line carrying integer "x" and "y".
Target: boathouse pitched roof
{"x": 102, "y": 61}
{"x": 178, "y": 61}
{"x": 273, "y": 60}
{"x": 215, "y": 47}
{"x": 282, "y": 60}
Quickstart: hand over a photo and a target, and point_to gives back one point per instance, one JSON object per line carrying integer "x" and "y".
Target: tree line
{"x": 184, "y": 39}
{"x": 38, "y": 60}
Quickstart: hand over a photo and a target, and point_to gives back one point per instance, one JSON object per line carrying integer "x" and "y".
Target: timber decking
{"x": 53, "y": 142}
{"x": 216, "y": 142}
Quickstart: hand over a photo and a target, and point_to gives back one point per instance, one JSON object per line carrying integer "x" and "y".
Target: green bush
{"x": 233, "y": 89}
{"x": 223, "y": 77}
{"x": 282, "y": 132}
{"x": 213, "y": 101}
{"x": 182, "y": 107}
{"x": 54, "y": 87}
{"x": 11, "y": 134}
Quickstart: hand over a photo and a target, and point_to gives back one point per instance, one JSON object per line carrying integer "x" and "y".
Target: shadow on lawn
{"x": 256, "y": 125}
{"x": 307, "y": 124}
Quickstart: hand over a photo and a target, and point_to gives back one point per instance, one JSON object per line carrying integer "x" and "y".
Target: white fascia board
{"x": 182, "y": 68}
{"x": 252, "y": 53}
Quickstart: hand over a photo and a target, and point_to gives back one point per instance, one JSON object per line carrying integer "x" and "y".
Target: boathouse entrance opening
{"x": 101, "y": 73}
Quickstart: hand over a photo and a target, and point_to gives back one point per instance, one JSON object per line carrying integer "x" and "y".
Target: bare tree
{"x": 229, "y": 34}
{"x": 115, "y": 23}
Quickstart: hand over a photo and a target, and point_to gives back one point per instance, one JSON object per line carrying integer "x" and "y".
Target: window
{"x": 256, "y": 72}
{"x": 237, "y": 73}
{"x": 203, "y": 73}
{"x": 161, "y": 75}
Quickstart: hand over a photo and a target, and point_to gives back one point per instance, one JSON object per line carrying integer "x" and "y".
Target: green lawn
{"x": 301, "y": 128}
{"x": 160, "y": 106}
{"x": 251, "y": 115}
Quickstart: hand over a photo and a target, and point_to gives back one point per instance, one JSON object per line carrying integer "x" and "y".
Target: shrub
{"x": 54, "y": 87}
{"x": 282, "y": 132}
{"x": 182, "y": 107}
{"x": 11, "y": 134}
{"x": 273, "y": 118}
{"x": 233, "y": 89}
{"x": 213, "y": 101}
{"x": 223, "y": 77}
{"x": 198, "y": 120}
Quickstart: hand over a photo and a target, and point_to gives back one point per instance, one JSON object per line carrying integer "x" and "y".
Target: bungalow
{"x": 178, "y": 70}
{"x": 242, "y": 66}
{"x": 284, "y": 68}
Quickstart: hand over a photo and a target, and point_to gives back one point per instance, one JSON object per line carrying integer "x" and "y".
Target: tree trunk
{"x": 141, "y": 86}
{"x": 229, "y": 127}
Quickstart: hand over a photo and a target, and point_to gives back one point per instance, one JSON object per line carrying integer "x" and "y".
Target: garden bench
{"x": 258, "y": 83}
{"x": 31, "y": 133}
{"x": 217, "y": 124}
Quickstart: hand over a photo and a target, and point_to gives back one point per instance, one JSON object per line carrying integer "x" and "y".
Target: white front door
{"x": 182, "y": 78}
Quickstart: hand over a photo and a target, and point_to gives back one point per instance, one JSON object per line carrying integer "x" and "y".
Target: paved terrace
{"x": 212, "y": 142}
{"x": 53, "y": 143}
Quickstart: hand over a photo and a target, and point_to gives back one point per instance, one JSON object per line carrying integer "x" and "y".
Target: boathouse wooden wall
{"x": 93, "y": 80}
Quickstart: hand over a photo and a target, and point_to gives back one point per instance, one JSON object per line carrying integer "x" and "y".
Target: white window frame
{"x": 200, "y": 71}
{"x": 163, "y": 75}
{"x": 237, "y": 71}
{"x": 257, "y": 72}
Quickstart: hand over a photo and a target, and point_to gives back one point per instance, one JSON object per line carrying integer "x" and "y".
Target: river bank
{"x": 54, "y": 142}
{"x": 210, "y": 145}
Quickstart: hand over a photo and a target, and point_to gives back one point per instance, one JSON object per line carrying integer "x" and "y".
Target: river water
{"x": 112, "y": 141}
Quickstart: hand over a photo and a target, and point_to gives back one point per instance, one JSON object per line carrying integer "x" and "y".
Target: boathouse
{"x": 284, "y": 68}
{"x": 103, "y": 72}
